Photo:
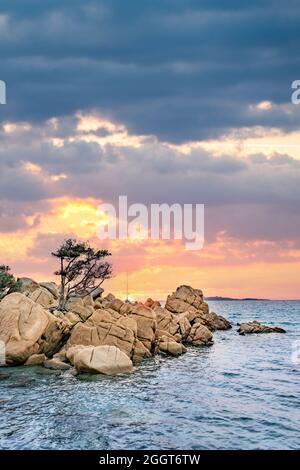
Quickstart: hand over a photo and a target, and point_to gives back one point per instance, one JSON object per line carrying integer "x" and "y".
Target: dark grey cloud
{"x": 248, "y": 198}
{"x": 175, "y": 70}
{"x": 20, "y": 215}
{"x": 108, "y": 170}
{"x": 178, "y": 69}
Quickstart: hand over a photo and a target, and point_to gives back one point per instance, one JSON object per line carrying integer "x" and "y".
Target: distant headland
{"x": 232, "y": 299}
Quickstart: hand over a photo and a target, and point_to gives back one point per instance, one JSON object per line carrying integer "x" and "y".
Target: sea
{"x": 241, "y": 393}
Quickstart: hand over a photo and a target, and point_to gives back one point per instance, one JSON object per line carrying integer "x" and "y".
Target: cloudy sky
{"x": 165, "y": 101}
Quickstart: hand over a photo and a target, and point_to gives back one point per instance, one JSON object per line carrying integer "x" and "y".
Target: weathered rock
{"x": 56, "y": 364}
{"x": 213, "y": 321}
{"x": 130, "y": 323}
{"x": 100, "y": 316}
{"x": 176, "y": 305}
{"x": 171, "y": 347}
{"x": 126, "y": 308}
{"x": 36, "y": 360}
{"x": 27, "y": 328}
{"x": 200, "y": 335}
{"x": 146, "y": 325}
{"x": 27, "y": 285}
{"x": 76, "y": 306}
{"x": 107, "y": 360}
{"x": 140, "y": 352}
{"x": 74, "y": 302}
{"x": 97, "y": 293}
{"x": 103, "y": 331}
{"x": 109, "y": 298}
{"x": 188, "y": 303}
{"x": 42, "y": 296}
{"x": 162, "y": 334}
{"x": 61, "y": 355}
{"x": 166, "y": 321}
{"x": 116, "y": 305}
{"x": 71, "y": 317}
{"x": 183, "y": 297}
{"x": 94, "y": 293}
{"x": 184, "y": 327}
{"x": 88, "y": 301}
{"x": 256, "y": 327}
{"x": 152, "y": 303}
{"x": 138, "y": 330}
{"x": 70, "y": 353}
{"x": 52, "y": 288}
{"x": 217, "y": 322}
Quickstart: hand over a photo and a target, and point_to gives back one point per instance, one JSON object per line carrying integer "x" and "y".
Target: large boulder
{"x": 184, "y": 297}
{"x": 171, "y": 347}
{"x": 256, "y": 327}
{"x": 216, "y": 322}
{"x": 43, "y": 296}
{"x": 108, "y": 360}
{"x": 188, "y": 303}
{"x": 77, "y": 306}
{"x": 27, "y": 328}
{"x": 200, "y": 335}
{"x": 169, "y": 344}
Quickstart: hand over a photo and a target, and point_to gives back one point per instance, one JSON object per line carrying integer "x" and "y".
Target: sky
{"x": 165, "y": 101}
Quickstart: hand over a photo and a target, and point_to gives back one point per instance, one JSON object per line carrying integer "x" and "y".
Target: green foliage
{"x": 8, "y": 283}
{"x": 82, "y": 269}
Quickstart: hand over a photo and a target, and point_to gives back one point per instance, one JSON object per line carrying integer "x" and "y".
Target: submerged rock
{"x": 256, "y": 327}
{"x": 56, "y": 364}
{"x": 36, "y": 360}
{"x": 4, "y": 376}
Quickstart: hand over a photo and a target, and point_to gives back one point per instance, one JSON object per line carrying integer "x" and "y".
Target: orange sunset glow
{"x": 230, "y": 264}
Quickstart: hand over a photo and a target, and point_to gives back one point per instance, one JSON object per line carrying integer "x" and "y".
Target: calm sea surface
{"x": 241, "y": 393}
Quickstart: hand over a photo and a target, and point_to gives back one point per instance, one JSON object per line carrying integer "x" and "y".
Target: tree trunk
{"x": 62, "y": 297}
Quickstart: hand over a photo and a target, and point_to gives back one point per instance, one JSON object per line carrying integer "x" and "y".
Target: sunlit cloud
{"x": 152, "y": 266}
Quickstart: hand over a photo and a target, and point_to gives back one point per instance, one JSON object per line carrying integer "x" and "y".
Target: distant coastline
{"x": 232, "y": 299}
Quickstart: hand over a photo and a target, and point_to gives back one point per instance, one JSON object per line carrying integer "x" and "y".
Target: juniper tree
{"x": 8, "y": 283}
{"x": 82, "y": 269}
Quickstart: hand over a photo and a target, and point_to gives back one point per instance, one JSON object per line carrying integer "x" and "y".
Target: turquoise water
{"x": 241, "y": 393}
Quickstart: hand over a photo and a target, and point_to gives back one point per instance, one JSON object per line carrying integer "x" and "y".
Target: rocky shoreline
{"x": 103, "y": 334}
